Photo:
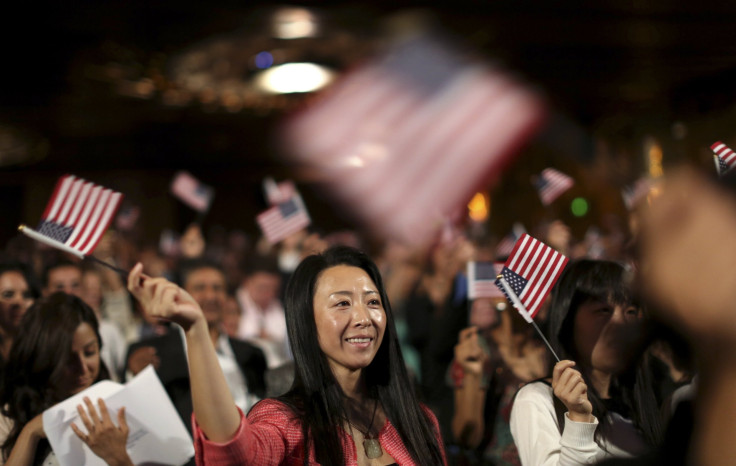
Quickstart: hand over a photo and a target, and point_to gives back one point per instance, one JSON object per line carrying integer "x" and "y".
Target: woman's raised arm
{"x": 214, "y": 408}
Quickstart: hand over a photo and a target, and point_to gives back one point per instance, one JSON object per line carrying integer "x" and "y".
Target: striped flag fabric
{"x": 531, "y": 270}
{"x": 283, "y": 219}
{"x": 551, "y": 184}
{"x": 391, "y": 139}
{"x": 482, "y": 278}
{"x": 192, "y": 192}
{"x": 724, "y": 157}
{"x": 78, "y": 213}
{"x": 506, "y": 245}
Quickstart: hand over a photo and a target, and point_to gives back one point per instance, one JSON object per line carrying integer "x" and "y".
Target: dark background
{"x": 615, "y": 73}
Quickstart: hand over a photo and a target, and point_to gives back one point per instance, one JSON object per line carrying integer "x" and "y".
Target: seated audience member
{"x": 493, "y": 358}
{"x": 349, "y": 403}
{"x": 17, "y": 293}
{"x": 68, "y": 277}
{"x": 262, "y": 320}
{"x": 599, "y": 401}
{"x": 114, "y": 345}
{"x": 242, "y": 363}
{"x": 231, "y": 317}
{"x": 56, "y": 355}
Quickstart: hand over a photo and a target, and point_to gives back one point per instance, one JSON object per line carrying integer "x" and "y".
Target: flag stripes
{"x": 78, "y": 213}
{"x": 725, "y": 158}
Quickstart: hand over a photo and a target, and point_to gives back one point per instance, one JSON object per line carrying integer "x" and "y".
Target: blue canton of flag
{"x": 54, "y": 231}
{"x": 516, "y": 281}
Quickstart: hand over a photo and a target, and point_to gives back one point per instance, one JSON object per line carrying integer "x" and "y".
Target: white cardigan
{"x": 537, "y": 436}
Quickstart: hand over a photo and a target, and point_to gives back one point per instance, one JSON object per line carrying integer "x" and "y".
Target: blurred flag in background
{"x": 191, "y": 192}
{"x": 406, "y": 139}
{"x": 551, "y": 184}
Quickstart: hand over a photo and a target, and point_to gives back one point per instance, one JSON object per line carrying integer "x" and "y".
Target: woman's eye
{"x": 343, "y": 304}
{"x": 7, "y": 294}
{"x": 374, "y": 302}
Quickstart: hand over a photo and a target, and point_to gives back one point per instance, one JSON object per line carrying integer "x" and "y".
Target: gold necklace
{"x": 371, "y": 445}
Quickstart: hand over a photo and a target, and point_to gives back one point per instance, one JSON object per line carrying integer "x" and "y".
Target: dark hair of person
{"x": 632, "y": 392}
{"x": 15, "y": 266}
{"x": 187, "y": 266}
{"x": 315, "y": 396}
{"x": 265, "y": 263}
{"x": 57, "y": 264}
{"x": 37, "y": 362}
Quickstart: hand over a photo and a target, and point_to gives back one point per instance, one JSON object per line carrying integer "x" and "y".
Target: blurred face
{"x": 207, "y": 287}
{"x": 484, "y": 312}
{"x": 231, "y": 317}
{"x": 15, "y": 299}
{"x": 607, "y": 336}
{"x": 83, "y": 366}
{"x": 350, "y": 318}
{"x": 91, "y": 290}
{"x": 67, "y": 279}
{"x": 263, "y": 288}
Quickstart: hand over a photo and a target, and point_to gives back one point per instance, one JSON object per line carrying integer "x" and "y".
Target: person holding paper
{"x": 350, "y": 402}
{"x": 599, "y": 401}
{"x": 56, "y": 355}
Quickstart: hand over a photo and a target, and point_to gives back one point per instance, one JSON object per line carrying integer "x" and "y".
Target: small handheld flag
{"x": 481, "y": 279}
{"x": 192, "y": 192}
{"x": 528, "y": 276}
{"x": 77, "y": 215}
{"x": 724, "y": 157}
{"x": 283, "y": 219}
{"x": 551, "y": 184}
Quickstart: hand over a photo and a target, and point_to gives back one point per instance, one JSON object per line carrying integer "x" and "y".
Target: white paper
{"x": 157, "y": 434}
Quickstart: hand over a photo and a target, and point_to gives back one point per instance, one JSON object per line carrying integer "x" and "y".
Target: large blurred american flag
{"x": 406, "y": 139}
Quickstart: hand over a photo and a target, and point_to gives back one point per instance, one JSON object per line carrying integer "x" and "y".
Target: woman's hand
{"x": 164, "y": 300}
{"x": 568, "y": 385}
{"x": 468, "y": 352}
{"x": 104, "y": 438}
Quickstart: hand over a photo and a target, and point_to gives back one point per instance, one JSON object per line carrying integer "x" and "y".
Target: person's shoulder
{"x": 272, "y": 410}
{"x": 241, "y": 345}
{"x": 534, "y": 390}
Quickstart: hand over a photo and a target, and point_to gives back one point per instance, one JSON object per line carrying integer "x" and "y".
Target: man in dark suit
{"x": 243, "y": 364}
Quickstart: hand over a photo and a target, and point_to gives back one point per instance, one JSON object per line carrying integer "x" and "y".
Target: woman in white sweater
{"x": 599, "y": 401}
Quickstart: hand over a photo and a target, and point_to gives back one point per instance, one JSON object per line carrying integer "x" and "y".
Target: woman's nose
{"x": 362, "y": 315}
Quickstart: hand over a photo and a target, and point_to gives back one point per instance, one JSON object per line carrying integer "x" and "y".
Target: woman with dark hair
{"x": 17, "y": 293}
{"x": 600, "y": 402}
{"x": 55, "y": 355}
{"x": 351, "y": 401}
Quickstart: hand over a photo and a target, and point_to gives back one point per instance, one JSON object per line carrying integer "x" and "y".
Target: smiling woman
{"x": 350, "y": 402}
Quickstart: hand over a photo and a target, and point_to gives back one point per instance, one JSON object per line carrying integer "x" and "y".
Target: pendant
{"x": 372, "y": 448}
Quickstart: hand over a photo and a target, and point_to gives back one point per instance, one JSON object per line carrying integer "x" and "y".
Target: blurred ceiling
{"x": 597, "y": 62}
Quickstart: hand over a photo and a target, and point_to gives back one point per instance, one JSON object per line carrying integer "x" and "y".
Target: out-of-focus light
{"x": 478, "y": 207}
{"x": 264, "y": 60}
{"x": 294, "y": 23}
{"x": 579, "y": 207}
{"x": 293, "y": 77}
{"x": 653, "y": 152}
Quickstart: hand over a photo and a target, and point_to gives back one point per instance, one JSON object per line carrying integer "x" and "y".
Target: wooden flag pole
{"x": 63, "y": 247}
{"x": 523, "y": 311}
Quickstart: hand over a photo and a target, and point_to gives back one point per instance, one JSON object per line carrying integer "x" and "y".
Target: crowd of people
{"x": 327, "y": 349}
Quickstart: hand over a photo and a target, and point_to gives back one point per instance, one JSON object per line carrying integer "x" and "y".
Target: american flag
{"x": 191, "y": 192}
{"x": 78, "y": 214}
{"x": 283, "y": 219}
{"x": 481, "y": 279}
{"x": 551, "y": 184}
{"x": 725, "y": 158}
{"x": 532, "y": 270}
{"x": 406, "y": 139}
{"x": 506, "y": 245}
{"x": 633, "y": 194}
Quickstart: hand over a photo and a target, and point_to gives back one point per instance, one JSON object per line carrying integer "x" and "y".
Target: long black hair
{"x": 631, "y": 391}
{"x": 316, "y": 398}
{"x": 40, "y": 353}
